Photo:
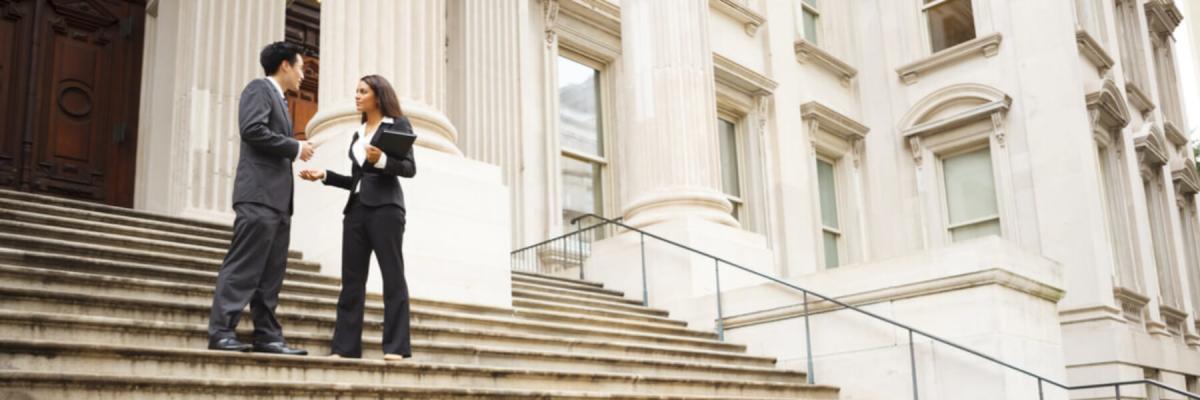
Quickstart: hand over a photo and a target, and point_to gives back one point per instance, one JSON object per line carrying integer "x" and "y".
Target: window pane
{"x": 981, "y": 229}
{"x": 832, "y": 259}
{"x": 810, "y": 27}
{"x": 730, "y": 178}
{"x": 827, "y": 184}
{"x": 581, "y": 186}
{"x": 950, "y": 23}
{"x": 970, "y": 190}
{"x": 579, "y": 107}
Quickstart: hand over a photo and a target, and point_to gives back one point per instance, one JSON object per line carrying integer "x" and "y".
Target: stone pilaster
{"x": 669, "y": 123}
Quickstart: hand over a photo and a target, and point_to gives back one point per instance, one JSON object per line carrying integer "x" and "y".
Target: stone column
{"x": 405, "y": 42}
{"x": 457, "y": 235}
{"x": 669, "y": 125}
{"x": 199, "y": 55}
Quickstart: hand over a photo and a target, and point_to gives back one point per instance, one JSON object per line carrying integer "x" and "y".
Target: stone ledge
{"x": 750, "y": 20}
{"x": 1174, "y": 134}
{"x": 737, "y": 76}
{"x": 1090, "y": 48}
{"x": 834, "y": 122}
{"x": 1139, "y": 98}
{"x": 806, "y": 51}
{"x": 987, "y": 45}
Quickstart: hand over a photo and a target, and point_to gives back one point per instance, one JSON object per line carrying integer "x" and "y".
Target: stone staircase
{"x": 98, "y": 302}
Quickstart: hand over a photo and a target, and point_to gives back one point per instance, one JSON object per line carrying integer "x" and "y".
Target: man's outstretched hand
{"x": 306, "y": 151}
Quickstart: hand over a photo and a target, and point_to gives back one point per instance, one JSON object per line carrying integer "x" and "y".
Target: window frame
{"x": 806, "y": 8}
{"x": 840, "y": 141}
{"x": 975, "y": 145}
{"x": 927, "y": 42}
{"x": 605, "y": 122}
{"x": 839, "y": 197}
{"x": 739, "y": 201}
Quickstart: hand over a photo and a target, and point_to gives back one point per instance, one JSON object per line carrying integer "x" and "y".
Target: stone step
{"x": 519, "y": 303}
{"x": 126, "y": 220}
{"x": 88, "y": 358}
{"x": 88, "y": 386}
{"x": 482, "y": 354}
{"x": 582, "y": 285}
{"x": 556, "y": 287}
{"x": 528, "y": 293}
{"x": 604, "y": 297}
{"x": 298, "y": 319}
{"x": 433, "y": 339}
{"x": 82, "y": 284}
{"x": 99, "y": 252}
{"x": 98, "y": 237}
{"x": 104, "y": 213}
{"x": 559, "y": 278}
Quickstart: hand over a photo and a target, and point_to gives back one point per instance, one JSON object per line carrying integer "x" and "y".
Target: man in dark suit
{"x": 253, "y": 269}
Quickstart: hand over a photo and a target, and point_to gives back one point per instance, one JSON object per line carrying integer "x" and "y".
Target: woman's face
{"x": 364, "y": 98}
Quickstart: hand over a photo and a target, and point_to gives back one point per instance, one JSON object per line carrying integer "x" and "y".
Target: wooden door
{"x": 82, "y": 76}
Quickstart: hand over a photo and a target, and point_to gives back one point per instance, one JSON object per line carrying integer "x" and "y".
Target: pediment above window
{"x": 1107, "y": 106}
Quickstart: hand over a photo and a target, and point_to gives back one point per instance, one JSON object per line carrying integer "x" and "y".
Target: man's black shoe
{"x": 228, "y": 344}
{"x": 279, "y": 348}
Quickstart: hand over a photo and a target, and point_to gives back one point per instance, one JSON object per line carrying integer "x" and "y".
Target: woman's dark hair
{"x": 275, "y": 53}
{"x": 389, "y": 104}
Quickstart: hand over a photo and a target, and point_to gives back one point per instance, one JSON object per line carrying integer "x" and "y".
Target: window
{"x": 1088, "y": 18}
{"x": 831, "y": 233}
{"x": 1164, "y": 252}
{"x": 1129, "y": 41}
{"x": 580, "y": 139}
{"x": 970, "y": 195}
{"x": 1113, "y": 186}
{"x": 1168, "y": 88}
{"x": 731, "y": 172}
{"x": 950, "y": 22}
{"x": 811, "y": 16}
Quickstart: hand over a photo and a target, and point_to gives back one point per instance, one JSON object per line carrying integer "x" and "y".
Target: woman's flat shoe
{"x": 335, "y": 356}
{"x": 393, "y": 357}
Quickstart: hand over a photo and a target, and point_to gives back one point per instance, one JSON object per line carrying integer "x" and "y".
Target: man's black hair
{"x": 276, "y": 53}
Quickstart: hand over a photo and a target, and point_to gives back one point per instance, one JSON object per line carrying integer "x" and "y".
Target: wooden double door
{"x": 70, "y": 77}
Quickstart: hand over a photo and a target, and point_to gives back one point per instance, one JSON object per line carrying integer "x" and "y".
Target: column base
{"x": 434, "y": 131}
{"x": 674, "y": 204}
{"x": 677, "y": 278}
{"x": 457, "y": 236}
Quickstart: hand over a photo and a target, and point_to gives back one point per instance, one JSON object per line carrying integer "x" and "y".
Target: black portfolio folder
{"x": 395, "y": 144}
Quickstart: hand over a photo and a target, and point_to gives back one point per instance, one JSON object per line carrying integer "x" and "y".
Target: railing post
{"x": 1041, "y": 395}
{"x": 912, "y": 359}
{"x": 1118, "y": 389}
{"x": 812, "y": 375}
{"x": 720, "y": 313}
{"x": 645, "y": 291}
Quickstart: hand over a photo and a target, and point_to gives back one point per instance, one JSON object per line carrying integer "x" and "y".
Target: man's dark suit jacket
{"x": 379, "y": 185}
{"x": 264, "y": 171}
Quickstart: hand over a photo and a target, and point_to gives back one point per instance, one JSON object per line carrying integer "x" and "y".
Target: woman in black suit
{"x": 374, "y": 222}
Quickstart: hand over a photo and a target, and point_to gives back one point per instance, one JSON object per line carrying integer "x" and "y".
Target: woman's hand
{"x": 373, "y": 154}
{"x": 312, "y": 174}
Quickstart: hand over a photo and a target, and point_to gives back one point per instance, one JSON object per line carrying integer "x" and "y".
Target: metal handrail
{"x": 1041, "y": 380}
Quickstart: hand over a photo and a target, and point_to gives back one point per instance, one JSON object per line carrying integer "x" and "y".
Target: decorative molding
{"x": 978, "y": 113}
{"x": 998, "y": 127}
{"x": 1139, "y": 98}
{"x": 833, "y": 122}
{"x": 914, "y": 145}
{"x": 761, "y": 106}
{"x": 1093, "y": 51}
{"x": 750, "y": 20}
{"x": 1131, "y": 303}
{"x": 600, "y": 13}
{"x": 1174, "y": 135}
{"x": 84, "y": 14}
{"x": 1163, "y": 16}
{"x": 988, "y": 46}
{"x": 550, "y": 20}
{"x": 1172, "y": 316}
{"x": 1107, "y": 106}
{"x": 737, "y": 76}
{"x": 997, "y": 277}
{"x": 806, "y": 51}
{"x": 1187, "y": 180}
{"x": 1150, "y": 149}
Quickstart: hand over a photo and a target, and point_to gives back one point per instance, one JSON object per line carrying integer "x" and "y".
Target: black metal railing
{"x": 582, "y": 242}
{"x": 561, "y": 255}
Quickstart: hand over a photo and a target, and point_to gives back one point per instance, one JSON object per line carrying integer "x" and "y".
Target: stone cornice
{"x": 978, "y": 113}
{"x": 999, "y": 277}
{"x": 1151, "y": 149}
{"x": 1174, "y": 134}
{"x": 746, "y": 80}
{"x": 987, "y": 45}
{"x": 1163, "y": 16}
{"x": 600, "y": 13}
{"x": 1090, "y": 48}
{"x": 806, "y": 52}
{"x": 1109, "y": 105}
{"x": 750, "y": 20}
{"x": 1139, "y": 98}
{"x": 1187, "y": 180}
{"x": 833, "y": 122}
{"x": 1172, "y": 314}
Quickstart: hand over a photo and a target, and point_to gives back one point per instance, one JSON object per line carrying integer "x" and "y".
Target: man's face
{"x": 293, "y": 74}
